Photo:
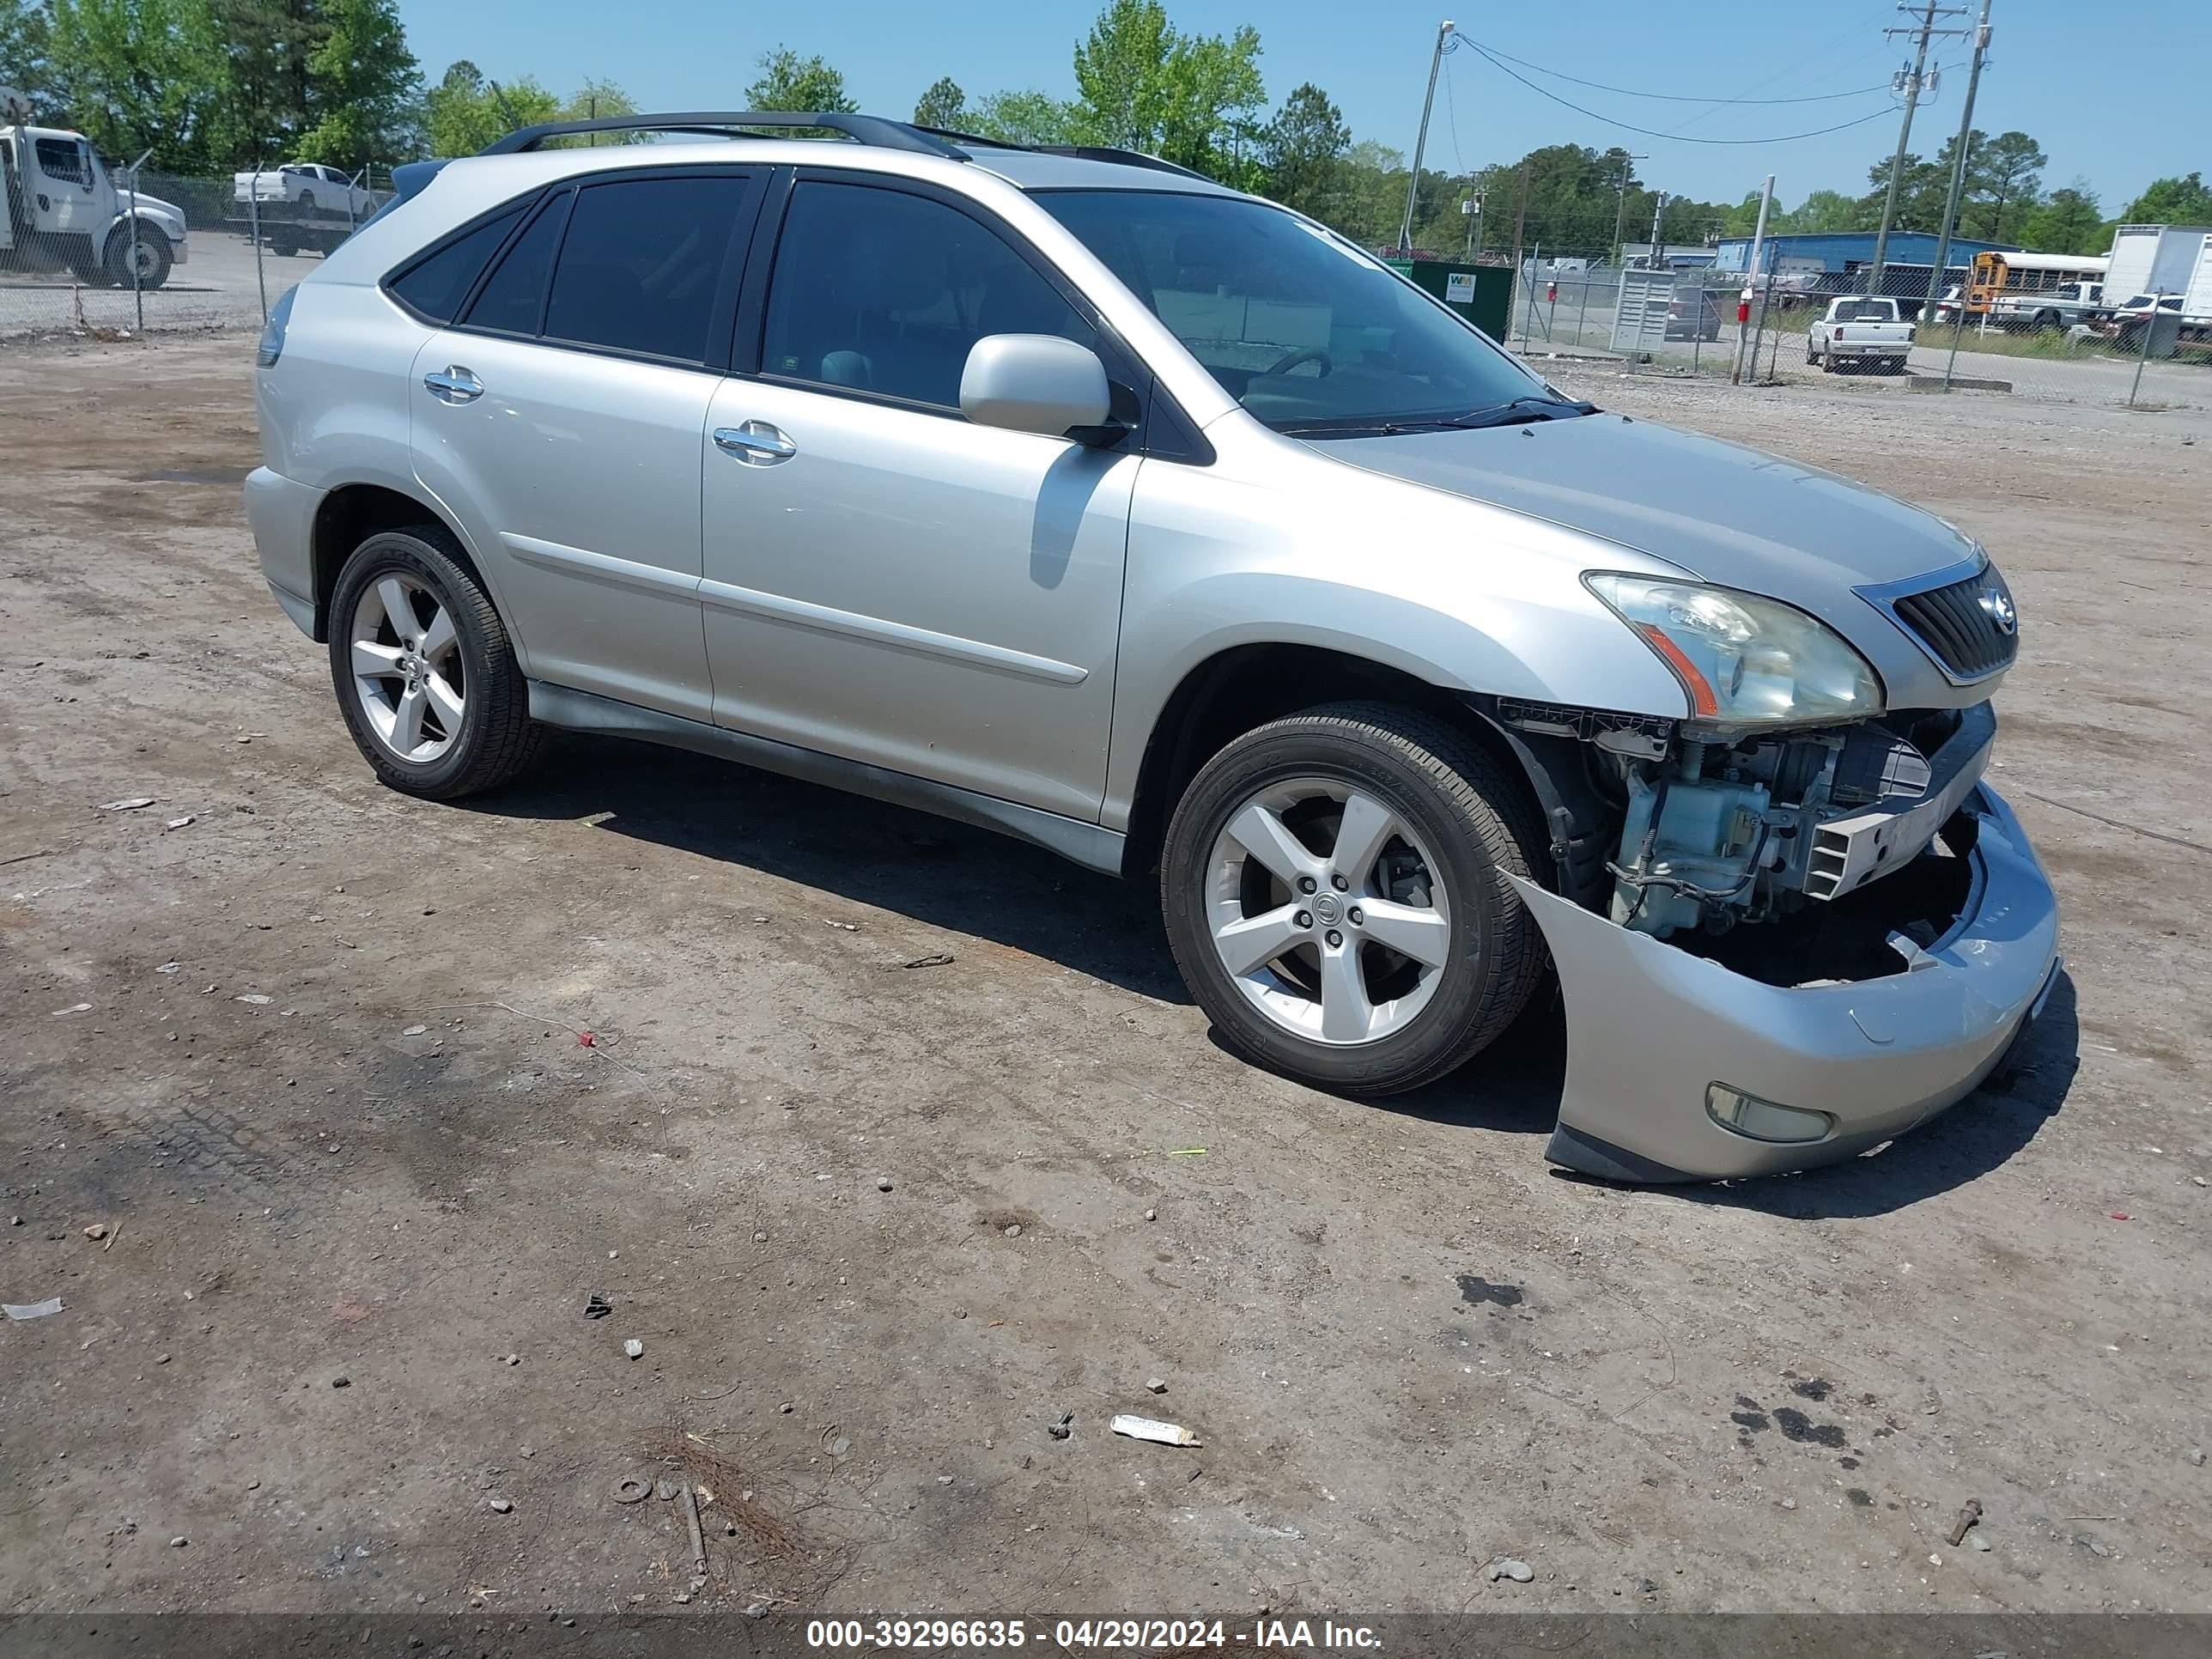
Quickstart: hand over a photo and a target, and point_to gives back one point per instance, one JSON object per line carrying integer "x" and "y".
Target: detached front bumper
{"x": 1650, "y": 1027}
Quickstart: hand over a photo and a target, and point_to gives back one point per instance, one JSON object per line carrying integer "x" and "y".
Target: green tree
{"x": 2005, "y": 175}
{"x": 1191, "y": 99}
{"x": 269, "y": 95}
{"x": 1302, "y": 147}
{"x": 464, "y": 111}
{"x": 2172, "y": 202}
{"x": 1821, "y": 210}
{"x": 1920, "y": 192}
{"x": 1030, "y": 118}
{"x": 365, "y": 82}
{"x": 943, "y": 105}
{"x": 788, "y": 82}
{"x": 25, "y": 32}
{"x": 2068, "y": 221}
{"x": 140, "y": 74}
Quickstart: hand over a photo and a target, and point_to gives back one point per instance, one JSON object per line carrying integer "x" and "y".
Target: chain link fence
{"x": 207, "y": 253}
{"x": 2049, "y": 343}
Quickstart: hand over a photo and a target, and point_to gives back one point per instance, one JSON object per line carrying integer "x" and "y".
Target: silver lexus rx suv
{"x": 1065, "y": 492}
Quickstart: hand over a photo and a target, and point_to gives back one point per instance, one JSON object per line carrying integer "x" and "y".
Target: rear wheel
{"x": 424, "y": 671}
{"x": 1335, "y": 887}
{"x": 306, "y": 201}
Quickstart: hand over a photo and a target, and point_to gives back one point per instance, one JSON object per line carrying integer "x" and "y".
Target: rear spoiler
{"x": 409, "y": 180}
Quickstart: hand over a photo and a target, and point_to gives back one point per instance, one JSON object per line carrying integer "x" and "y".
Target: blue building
{"x": 1843, "y": 251}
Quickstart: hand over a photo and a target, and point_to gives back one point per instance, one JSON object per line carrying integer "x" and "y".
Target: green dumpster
{"x": 1481, "y": 294}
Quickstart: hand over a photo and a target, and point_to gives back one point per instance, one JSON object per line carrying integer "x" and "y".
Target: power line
{"x": 1653, "y": 132}
{"x": 1670, "y": 97}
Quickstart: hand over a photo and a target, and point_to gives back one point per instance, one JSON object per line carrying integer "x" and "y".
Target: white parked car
{"x": 1859, "y": 330}
{"x": 308, "y": 186}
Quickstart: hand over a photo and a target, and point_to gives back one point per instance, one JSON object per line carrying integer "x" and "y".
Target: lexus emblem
{"x": 1999, "y": 604}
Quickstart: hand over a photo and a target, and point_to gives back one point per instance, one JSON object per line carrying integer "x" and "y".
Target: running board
{"x": 1086, "y": 844}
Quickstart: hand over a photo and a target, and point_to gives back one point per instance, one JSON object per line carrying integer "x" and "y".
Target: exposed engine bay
{"x": 1716, "y": 832}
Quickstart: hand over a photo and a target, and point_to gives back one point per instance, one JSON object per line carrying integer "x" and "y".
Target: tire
{"x": 155, "y": 258}
{"x": 1809, "y": 358}
{"x": 2045, "y": 319}
{"x": 494, "y": 739}
{"x": 306, "y": 201}
{"x": 1466, "y": 820}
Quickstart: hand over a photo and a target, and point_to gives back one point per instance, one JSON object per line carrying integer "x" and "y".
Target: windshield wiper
{"x": 1521, "y": 410}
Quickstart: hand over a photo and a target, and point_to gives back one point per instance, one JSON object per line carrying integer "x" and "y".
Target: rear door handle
{"x": 755, "y": 443}
{"x": 453, "y": 384}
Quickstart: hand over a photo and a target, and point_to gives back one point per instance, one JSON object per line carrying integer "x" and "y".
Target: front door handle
{"x": 755, "y": 443}
{"x": 453, "y": 384}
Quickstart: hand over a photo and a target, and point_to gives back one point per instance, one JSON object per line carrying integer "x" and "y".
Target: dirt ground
{"x": 309, "y": 1053}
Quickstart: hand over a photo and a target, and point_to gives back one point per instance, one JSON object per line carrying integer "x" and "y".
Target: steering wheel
{"x": 1289, "y": 361}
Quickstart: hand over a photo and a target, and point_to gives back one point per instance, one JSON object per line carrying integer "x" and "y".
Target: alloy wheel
{"x": 408, "y": 672}
{"x": 1327, "y": 911}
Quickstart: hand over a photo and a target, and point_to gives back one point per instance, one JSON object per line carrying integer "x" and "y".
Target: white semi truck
{"x": 60, "y": 209}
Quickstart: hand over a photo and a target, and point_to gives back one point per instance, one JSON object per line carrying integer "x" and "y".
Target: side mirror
{"x": 1035, "y": 383}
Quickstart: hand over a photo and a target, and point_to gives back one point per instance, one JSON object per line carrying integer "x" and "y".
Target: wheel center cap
{"x": 1325, "y": 905}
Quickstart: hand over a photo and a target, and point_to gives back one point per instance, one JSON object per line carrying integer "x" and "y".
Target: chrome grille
{"x": 1969, "y": 627}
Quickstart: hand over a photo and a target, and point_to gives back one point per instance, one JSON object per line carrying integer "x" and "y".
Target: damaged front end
{"x": 1796, "y": 943}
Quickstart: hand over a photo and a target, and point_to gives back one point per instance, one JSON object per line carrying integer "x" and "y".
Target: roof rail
{"x": 861, "y": 129}
{"x": 1128, "y": 158}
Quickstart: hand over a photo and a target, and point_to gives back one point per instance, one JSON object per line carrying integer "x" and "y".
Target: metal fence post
{"x": 137, "y": 297}
{"x": 253, "y": 233}
{"x": 1582, "y": 311}
{"x": 2150, "y": 330}
{"x": 1528, "y": 299}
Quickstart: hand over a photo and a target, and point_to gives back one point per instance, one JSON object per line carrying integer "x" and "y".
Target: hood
{"x": 1723, "y": 513}
{"x": 153, "y": 207}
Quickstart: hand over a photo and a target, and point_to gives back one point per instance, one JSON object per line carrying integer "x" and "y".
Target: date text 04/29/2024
{"x": 1121, "y": 1635}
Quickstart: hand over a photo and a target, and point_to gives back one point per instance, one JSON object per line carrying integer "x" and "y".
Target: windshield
{"x": 1300, "y": 327}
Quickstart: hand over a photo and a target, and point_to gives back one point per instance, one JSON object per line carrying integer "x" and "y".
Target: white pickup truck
{"x": 308, "y": 187}
{"x": 1861, "y": 331}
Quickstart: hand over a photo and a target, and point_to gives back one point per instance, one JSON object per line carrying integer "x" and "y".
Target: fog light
{"x": 1762, "y": 1120}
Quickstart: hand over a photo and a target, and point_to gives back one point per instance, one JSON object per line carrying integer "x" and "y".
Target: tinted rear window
{"x": 641, "y": 264}
{"x": 436, "y": 287}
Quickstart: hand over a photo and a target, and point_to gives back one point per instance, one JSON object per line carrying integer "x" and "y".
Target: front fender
{"x": 1273, "y": 546}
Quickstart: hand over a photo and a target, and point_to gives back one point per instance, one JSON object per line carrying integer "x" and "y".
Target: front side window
{"x": 1305, "y": 331}
{"x": 61, "y": 159}
{"x": 880, "y": 291}
{"x": 641, "y": 264}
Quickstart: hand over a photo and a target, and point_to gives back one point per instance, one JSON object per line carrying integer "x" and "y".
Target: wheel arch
{"x": 351, "y": 514}
{"x": 1245, "y": 685}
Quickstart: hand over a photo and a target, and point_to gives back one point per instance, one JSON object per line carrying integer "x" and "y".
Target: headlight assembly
{"x": 1742, "y": 659}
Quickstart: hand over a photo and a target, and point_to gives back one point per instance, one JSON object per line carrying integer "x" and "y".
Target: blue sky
{"x": 2061, "y": 71}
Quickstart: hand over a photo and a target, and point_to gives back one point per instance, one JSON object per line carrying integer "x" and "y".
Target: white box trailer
{"x": 2153, "y": 259}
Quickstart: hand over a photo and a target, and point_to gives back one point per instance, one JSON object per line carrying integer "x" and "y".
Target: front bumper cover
{"x": 1651, "y": 1026}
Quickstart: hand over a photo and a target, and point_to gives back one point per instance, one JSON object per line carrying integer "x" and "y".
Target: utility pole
{"x": 1421, "y": 139}
{"x": 1627, "y": 169}
{"x": 1912, "y": 79}
{"x": 1751, "y": 276}
{"x": 1958, "y": 183}
{"x": 1657, "y": 260}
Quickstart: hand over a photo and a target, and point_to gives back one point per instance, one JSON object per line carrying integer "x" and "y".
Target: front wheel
{"x": 1334, "y": 888}
{"x": 149, "y": 249}
{"x": 424, "y": 671}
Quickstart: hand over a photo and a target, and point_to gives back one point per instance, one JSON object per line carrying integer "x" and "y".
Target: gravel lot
{"x": 309, "y": 1053}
